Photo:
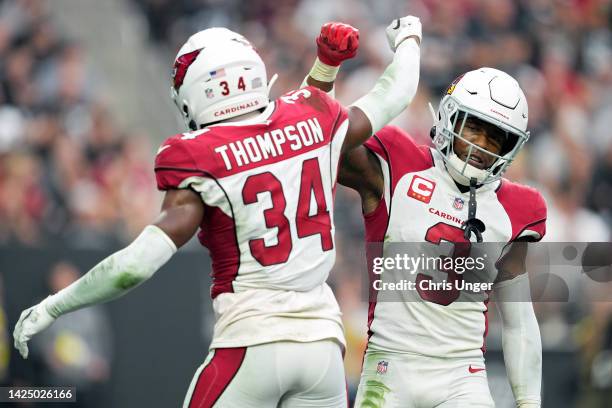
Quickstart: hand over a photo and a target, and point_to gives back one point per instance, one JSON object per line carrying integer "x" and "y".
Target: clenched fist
{"x": 336, "y": 43}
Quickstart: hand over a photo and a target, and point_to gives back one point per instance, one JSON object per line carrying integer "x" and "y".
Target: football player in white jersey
{"x": 256, "y": 177}
{"x": 427, "y": 350}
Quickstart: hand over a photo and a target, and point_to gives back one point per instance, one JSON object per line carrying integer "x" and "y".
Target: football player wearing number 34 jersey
{"x": 256, "y": 177}
{"x": 427, "y": 351}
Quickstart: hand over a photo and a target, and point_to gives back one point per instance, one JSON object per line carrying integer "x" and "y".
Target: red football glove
{"x": 336, "y": 43}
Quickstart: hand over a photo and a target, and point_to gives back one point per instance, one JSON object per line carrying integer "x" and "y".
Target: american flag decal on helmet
{"x": 181, "y": 65}
{"x": 218, "y": 73}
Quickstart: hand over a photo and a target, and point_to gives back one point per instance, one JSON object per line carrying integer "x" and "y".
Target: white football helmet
{"x": 218, "y": 75}
{"x": 492, "y": 96}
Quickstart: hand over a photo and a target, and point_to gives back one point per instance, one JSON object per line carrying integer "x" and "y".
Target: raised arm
{"x": 116, "y": 275}
{"x": 360, "y": 169}
{"x": 392, "y": 92}
{"x": 394, "y": 89}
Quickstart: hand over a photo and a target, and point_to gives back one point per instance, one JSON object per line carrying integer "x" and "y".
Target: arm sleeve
{"x": 395, "y": 89}
{"x": 520, "y": 340}
{"x": 117, "y": 274}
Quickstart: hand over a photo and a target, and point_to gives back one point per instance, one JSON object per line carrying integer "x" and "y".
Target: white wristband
{"x": 323, "y": 72}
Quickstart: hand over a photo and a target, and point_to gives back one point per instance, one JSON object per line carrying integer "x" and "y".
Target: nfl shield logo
{"x": 458, "y": 203}
{"x": 209, "y": 93}
{"x": 381, "y": 368}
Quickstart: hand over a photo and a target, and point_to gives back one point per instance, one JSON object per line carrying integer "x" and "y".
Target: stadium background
{"x": 84, "y": 104}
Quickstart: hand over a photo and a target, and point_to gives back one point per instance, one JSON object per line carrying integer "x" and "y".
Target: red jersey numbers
{"x": 295, "y": 96}
{"x": 421, "y": 189}
{"x": 274, "y": 217}
{"x": 306, "y": 224}
{"x": 319, "y": 223}
{"x": 436, "y": 234}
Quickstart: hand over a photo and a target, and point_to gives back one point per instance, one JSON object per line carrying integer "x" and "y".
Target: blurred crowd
{"x": 68, "y": 172}
{"x": 561, "y": 53}
{"x": 559, "y": 50}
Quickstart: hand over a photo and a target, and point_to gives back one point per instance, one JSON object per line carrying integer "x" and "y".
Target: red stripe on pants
{"x": 216, "y": 376}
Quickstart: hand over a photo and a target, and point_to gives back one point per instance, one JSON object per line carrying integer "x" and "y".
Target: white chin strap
{"x": 433, "y": 112}
{"x": 271, "y": 83}
{"x": 455, "y": 166}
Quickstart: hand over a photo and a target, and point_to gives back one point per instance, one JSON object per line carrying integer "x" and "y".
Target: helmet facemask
{"x": 450, "y": 125}
{"x": 492, "y": 102}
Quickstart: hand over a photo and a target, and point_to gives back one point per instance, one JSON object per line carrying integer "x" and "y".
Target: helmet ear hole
{"x": 432, "y": 132}
{"x": 190, "y": 122}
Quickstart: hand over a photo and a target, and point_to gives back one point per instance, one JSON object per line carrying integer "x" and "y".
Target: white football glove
{"x": 402, "y": 28}
{"x": 32, "y": 321}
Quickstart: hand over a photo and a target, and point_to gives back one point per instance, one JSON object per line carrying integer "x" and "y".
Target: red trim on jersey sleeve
{"x": 401, "y": 151}
{"x": 216, "y": 376}
{"x": 218, "y": 234}
{"x": 173, "y": 164}
{"x": 376, "y": 223}
{"x": 526, "y": 209}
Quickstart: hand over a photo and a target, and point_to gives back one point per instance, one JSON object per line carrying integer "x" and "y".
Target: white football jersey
{"x": 267, "y": 186}
{"x": 422, "y": 203}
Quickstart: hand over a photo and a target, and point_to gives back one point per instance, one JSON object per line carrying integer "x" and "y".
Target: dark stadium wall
{"x": 160, "y": 330}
